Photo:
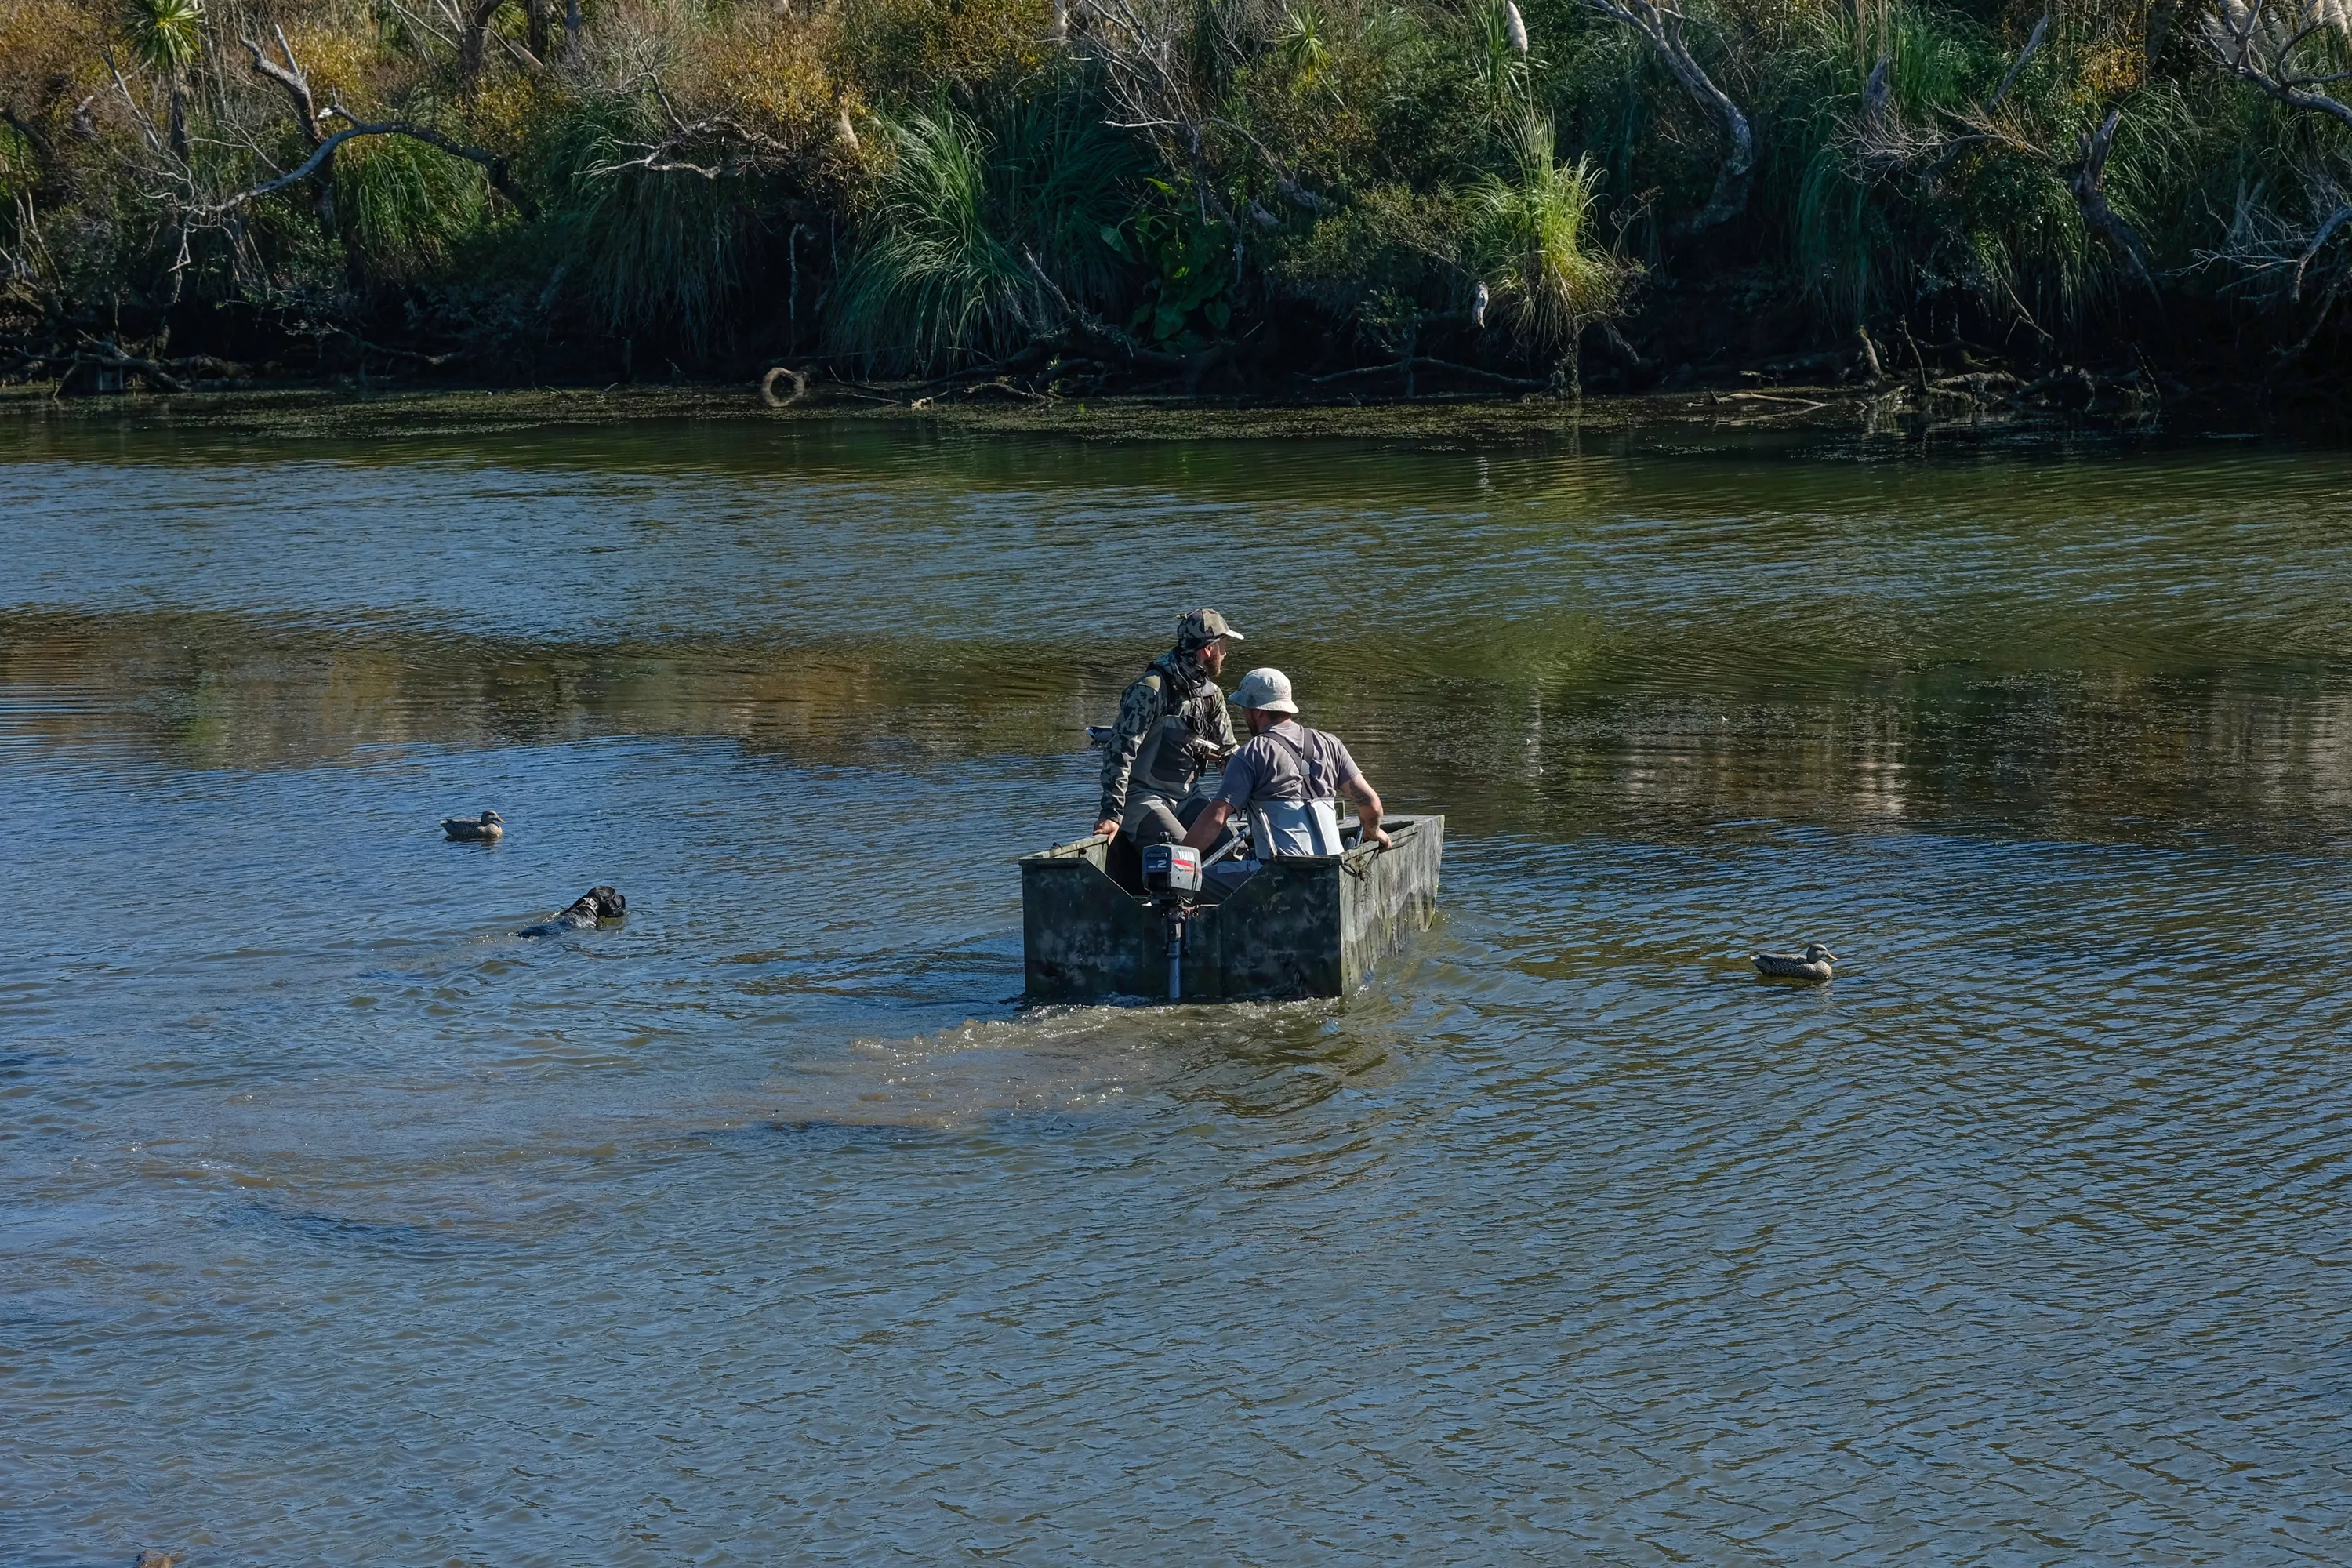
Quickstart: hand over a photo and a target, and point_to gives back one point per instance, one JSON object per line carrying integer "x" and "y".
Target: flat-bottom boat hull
{"x": 1303, "y": 926}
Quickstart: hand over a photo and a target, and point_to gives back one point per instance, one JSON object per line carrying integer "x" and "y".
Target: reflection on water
{"x": 342, "y": 1222}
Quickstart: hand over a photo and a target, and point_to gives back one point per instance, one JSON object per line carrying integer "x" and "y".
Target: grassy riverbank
{"x": 1305, "y": 199}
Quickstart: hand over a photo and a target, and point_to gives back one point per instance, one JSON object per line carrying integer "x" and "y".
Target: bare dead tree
{"x": 2033, "y": 43}
{"x": 2089, "y": 185}
{"x": 1151, "y": 60}
{"x": 1142, "y": 47}
{"x": 1285, "y": 181}
{"x": 169, "y": 176}
{"x": 319, "y": 166}
{"x": 493, "y": 164}
{"x": 1659, "y": 24}
{"x": 2263, "y": 44}
{"x": 2268, "y": 258}
{"x": 474, "y": 40}
{"x": 1884, "y": 145}
{"x": 292, "y": 80}
{"x": 738, "y": 149}
{"x": 2334, "y": 221}
{"x": 52, "y": 173}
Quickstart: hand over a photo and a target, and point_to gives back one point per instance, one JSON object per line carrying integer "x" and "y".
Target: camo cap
{"x": 1204, "y": 626}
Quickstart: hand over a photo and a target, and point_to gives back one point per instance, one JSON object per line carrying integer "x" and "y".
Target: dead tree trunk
{"x": 296, "y": 85}
{"x": 2090, "y": 188}
{"x": 1660, "y": 24}
{"x": 474, "y": 43}
{"x": 179, "y": 121}
{"x": 2261, "y": 48}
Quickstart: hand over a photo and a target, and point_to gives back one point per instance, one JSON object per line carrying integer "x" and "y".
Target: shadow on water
{"x": 441, "y": 1241}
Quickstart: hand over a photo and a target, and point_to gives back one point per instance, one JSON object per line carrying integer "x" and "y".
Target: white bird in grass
{"x": 1812, "y": 964}
{"x": 1478, "y": 308}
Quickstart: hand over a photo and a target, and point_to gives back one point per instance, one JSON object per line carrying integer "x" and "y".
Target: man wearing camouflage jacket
{"x": 1172, "y": 724}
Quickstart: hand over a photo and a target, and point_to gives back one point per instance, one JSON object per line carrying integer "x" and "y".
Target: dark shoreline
{"x": 296, "y": 410}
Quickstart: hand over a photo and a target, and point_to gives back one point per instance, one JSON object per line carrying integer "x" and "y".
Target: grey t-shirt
{"x": 1289, "y": 761}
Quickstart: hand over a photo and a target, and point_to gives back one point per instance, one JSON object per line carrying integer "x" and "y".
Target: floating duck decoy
{"x": 487, "y": 828}
{"x": 1813, "y": 963}
{"x": 596, "y": 905}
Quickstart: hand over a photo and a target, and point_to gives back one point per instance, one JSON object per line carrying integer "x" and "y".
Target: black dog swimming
{"x": 592, "y": 907}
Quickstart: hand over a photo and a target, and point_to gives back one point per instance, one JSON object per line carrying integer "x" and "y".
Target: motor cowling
{"x": 1171, "y": 870}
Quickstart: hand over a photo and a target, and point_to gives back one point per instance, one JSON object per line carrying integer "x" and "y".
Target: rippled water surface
{"x": 341, "y": 1225}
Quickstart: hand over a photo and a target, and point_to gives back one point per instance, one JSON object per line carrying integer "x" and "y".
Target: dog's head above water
{"x": 591, "y": 908}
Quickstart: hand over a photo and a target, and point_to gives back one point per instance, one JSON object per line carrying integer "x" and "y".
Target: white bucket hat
{"x": 1267, "y": 689}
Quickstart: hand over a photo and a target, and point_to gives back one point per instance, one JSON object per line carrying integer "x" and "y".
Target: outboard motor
{"x": 1171, "y": 876}
{"x": 1171, "y": 870}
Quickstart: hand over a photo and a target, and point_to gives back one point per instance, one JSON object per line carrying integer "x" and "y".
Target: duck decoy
{"x": 1813, "y": 963}
{"x": 487, "y": 828}
{"x": 587, "y": 911}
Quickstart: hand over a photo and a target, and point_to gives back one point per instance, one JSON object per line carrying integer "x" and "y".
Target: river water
{"x": 340, "y": 1224}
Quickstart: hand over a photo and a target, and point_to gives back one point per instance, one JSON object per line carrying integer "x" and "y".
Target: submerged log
{"x": 799, "y": 379}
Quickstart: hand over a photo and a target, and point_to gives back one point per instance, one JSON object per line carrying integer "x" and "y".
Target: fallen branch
{"x": 2334, "y": 221}
{"x": 753, "y": 150}
{"x": 311, "y": 120}
{"x": 103, "y": 355}
{"x": 1393, "y": 366}
{"x": 2017, "y": 68}
{"x": 2233, "y": 28}
{"x": 1000, "y": 384}
{"x": 1788, "y": 413}
{"x": 1291, "y": 191}
{"x": 431, "y": 362}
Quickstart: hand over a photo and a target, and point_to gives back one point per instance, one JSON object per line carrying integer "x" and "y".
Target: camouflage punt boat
{"x": 1300, "y": 926}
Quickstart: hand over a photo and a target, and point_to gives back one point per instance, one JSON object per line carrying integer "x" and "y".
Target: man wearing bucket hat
{"x": 1287, "y": 777}
{"x": 1172, "y": 724}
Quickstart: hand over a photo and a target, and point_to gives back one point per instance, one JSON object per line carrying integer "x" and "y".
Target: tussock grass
{"x": 1550, "y": 277}
{"x": 982, "y": 234}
